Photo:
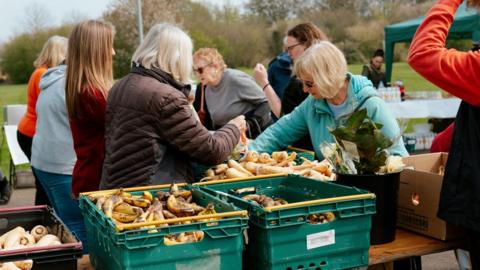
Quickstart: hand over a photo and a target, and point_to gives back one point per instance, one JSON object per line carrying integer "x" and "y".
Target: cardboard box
{"x": 419, "y": 194}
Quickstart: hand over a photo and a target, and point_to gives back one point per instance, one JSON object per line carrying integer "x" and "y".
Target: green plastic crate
{"x": 281, "y": 238}
{"x": 220, "y": 249}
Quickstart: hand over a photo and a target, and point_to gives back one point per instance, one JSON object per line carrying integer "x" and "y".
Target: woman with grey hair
{"x": 334, "y": 94}
{"x": 151, "y": 133}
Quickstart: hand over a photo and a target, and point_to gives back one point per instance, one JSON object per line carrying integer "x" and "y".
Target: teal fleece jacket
{"x": 315, "y": 117}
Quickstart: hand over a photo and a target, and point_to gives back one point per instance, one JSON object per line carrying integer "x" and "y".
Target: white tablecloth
{"x": 424, "y": 108}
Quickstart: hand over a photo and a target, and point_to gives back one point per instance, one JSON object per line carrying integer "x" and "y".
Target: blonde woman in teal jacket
{"x": 334, "y": 94}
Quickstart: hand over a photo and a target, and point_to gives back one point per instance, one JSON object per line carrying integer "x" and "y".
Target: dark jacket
{"x": 374, "y": 75}
{"x": 279, "y": 73}
{"x": 459, "y": 199}
{"x": 152, "y": 135}
{"x": 292, "y": 97}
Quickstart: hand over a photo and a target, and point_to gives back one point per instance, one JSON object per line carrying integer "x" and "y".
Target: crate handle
{"x": 113, "y": 191}
{"x": 214, "y": 182}
{"x": 300, "y": 150}
{"x": 22, "y": 208}
{"x": 121, "y": 227}
{"x": 321, "y": 201}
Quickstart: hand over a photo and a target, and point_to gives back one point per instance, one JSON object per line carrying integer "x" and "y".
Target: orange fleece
{"x": 453, "y": 71}
{"x": 28, "y": 122}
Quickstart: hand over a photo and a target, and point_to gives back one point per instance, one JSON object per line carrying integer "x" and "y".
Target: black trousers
{"x": 25, "y": 143}
{"x": 474, "y": 248}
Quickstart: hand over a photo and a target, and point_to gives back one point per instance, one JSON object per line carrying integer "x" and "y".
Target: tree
{"x": 20, "y": 52}
{"x": 37, "y": 18}
{"x": 275, "y": 10}
{"x": 122, "y": 15}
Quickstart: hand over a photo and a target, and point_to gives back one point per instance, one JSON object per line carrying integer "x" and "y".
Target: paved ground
{"x": 439, "y": 261}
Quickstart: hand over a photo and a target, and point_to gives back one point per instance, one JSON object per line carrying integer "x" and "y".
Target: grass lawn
{"x": 9, "y": 94}
{"x": 16, "y": 94}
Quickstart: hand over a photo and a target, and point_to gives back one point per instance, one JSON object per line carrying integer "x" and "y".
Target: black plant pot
{"x": 385, "y": 187}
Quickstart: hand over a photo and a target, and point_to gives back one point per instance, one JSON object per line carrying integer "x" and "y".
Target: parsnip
{"x": 47, "y": 240}
{"x": 12, "y": 231}
{"x": 221, "y": 168}
{"x": 323, "y": 168}
{"x": 319, "y": 176}
{"x": 234, "y": 173}
{"x": 264, "y": 158}
{"x": 289, "y": 158}
{"x": 280, "y": 156}
{"x": 251, "y": 156}
{"x": 16, "y": 239}
{"x": 38, "y": 232}
{"x": 266, "y": 169}
{"x": 238, "y": 167}
{"x": 9, "y": 266}
{"x": 24, "y": 265}
{"x": 27, "y": 240}
{"x": 251, "y": 167}
{"x": 209, "y": 173}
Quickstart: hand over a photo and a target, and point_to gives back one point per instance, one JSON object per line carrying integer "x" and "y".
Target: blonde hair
{"x": 168, "y": 48}
{"x": 89, "y": 62}
{"x": 210, "y": 55}
{"x": 327, "y": 66}
{"x": 53, "y": 52}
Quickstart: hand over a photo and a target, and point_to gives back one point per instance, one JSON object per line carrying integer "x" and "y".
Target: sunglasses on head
{"x": 200, "y": 70}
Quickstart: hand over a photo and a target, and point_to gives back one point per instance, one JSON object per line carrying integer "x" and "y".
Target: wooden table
{"x": 408, "y": 244}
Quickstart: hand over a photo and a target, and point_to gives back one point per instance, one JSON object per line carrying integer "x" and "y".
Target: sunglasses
{"x": 200, "y": 70}
{"x": 289, "y": 48}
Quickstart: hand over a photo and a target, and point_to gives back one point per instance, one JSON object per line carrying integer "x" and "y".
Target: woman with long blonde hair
{"x": 88, "y": 80}
{"x": 52, "y": 54}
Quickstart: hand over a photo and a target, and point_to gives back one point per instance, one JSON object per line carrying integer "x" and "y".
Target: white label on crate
{"x": 351, "y": 149}
{"x": 320, "y": 239}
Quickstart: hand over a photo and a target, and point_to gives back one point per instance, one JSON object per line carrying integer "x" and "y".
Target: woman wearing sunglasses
{"x": 333, "y": 94}
{"x": 151, "y": 133}
{"x": 226, "y": 93}
{"x": 299, "y": 38}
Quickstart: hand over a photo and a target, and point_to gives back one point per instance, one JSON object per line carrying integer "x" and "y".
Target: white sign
{"x": 320, "y": 239}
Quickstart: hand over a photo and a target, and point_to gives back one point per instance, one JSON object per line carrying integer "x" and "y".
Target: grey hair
{"x": 327, "y": 66}
{"x": 168, "y": 48}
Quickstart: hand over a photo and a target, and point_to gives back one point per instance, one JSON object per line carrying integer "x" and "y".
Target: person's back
{"x": 151, "y": 133}
{"x": 53, "y": 135}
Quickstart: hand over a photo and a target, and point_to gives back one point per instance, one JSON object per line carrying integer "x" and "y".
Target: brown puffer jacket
{"x": 151, "y": 134}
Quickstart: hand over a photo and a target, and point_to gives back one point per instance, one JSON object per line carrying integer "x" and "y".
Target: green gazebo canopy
{"x": 465, "y": 26}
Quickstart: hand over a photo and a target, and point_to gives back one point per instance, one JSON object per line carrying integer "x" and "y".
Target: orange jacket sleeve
{"x": 453, "y": 71}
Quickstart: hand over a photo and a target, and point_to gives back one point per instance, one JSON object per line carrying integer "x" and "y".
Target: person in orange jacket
{"x": 53, "y": 53}
{"x": 457, "y": 73}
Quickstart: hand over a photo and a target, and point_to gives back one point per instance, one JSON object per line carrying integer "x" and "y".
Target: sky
{"x": 14, "y": 14}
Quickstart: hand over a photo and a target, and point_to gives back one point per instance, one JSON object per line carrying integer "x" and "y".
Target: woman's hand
{"x": 240, "y": 123}
{"x": 260, "y": 75}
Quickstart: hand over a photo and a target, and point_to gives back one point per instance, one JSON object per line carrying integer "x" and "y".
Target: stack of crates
{"x": 112, "y": 248}
{"x": 281, "y": 238}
